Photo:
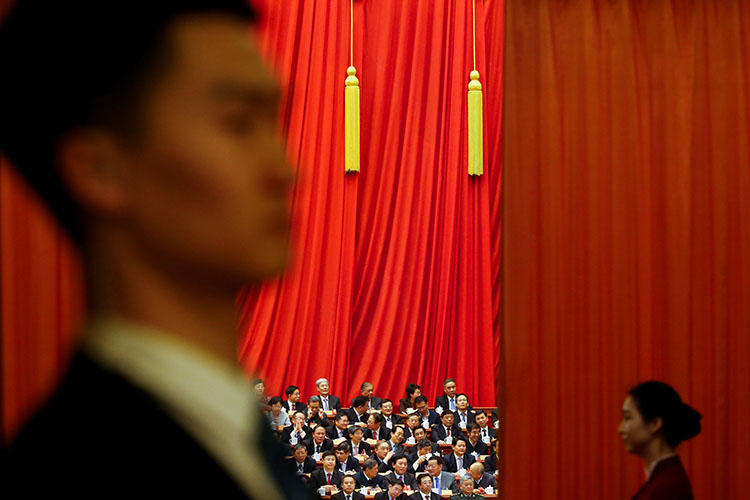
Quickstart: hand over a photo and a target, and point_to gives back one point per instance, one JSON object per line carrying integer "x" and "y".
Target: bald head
{"x": 476, "y": 470}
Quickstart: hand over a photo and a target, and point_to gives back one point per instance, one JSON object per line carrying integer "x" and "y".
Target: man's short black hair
{"x": 359, "y": 401}
{"x": 290, "y": 390}
{"x": 420, "y": 399}
{"x": 80, "y": 63}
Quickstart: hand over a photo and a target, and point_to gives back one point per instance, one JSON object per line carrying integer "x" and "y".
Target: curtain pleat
{"x": 626, "y": 238}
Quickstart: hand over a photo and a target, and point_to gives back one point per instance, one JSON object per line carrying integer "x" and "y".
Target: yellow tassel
{"x": 476, "y": 152}
{"x": 351, "y": 122}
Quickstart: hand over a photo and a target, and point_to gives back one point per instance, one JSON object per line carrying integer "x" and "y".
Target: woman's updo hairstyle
{"x": 657, "y": 399}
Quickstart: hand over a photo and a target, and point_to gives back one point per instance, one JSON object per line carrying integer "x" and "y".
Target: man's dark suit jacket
{"x": 363, "y": 448}
{"x": 377, "y": 481}
{"x": 299, "y": 406}
{"x": 383, "y": 495}
{"x": 333, "y": 433}
{"x": 450, "y": 465}
{"x": 485, "y": 481}
{"x": 490, "y": 430}
{"x": 395, "y": 420}
{"x": 384, "y": 433}
{"x": 100, "y": 432}
{"x": 309, "y": 465}
{"x": 490, "y": 464}
{"x": 383, "y": 467}
{"x": 419, "y": 496}
{"x": 470, "y": 417}
{"x": 481, "y": 447}
{"x": 353, "y": 418}
{"x": 409, "y": 479}
{"x": 668, "y": 481}
{"x": 433, "y": 418}
{"x": 319, "y": 419}
{"x": 356, "y": 495}
{"x": 326, "y": 445}
{"x": 318, "y": 478}
{"x": 375, "y": 403}
{"x": 397, "y": 449}
{"x": 351, "y": 464}
{"x": 443, "y": 402}
{"x": 334, "y": 403}
{"x": 438, "y": 433}
{"x": 286, "y": 435}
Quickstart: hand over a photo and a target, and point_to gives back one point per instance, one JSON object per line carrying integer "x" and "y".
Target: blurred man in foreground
{"x": 148, "y": 128}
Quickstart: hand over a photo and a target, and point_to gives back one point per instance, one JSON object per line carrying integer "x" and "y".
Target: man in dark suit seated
{"x": 458, "y": 460}
{"x": 328, "y": 477}
{"x": 464, "y": 489}
{"x": 482, "y": 480}
{"x": 428, "y": 417}
{"x": 347, "y": 490}
{"x": 390, "y": 420}
{"x": 383, "y": 455}
{"x": 448, "y": 400}
{"x": 490, "y": 463}
{"x": 395, "y": 491}
{"x": 464, "y": 413}
{"x": 340, "y": 427}
{"x": 297, "y": 432}
{"x": 396, "y": 440}
{"x": 413, "y": 421}
{"x": 446, "y": 431}
{"x": 368, "y": 477}
{"x": 292, "y": 402}
{"x": 407, "y": 403}
{"x": 300, "y": 462}
{"x": 373, "y": 402}
{"x": 315, "y": 415}
{"x": 356, "y": 441}
{"x": 124, "y": 119}
{"x": 346, "y": 463}
{"x": 474, "y": 444}
{"x": 318, "y": 443}
{"x": 487, "y": 433}
{"x": 420, "y": 434}
{"x": 441, "y": 480}
{"x": 358, "y": 412}
{"x": 400, "y": 471}
{"x": 424, "y": 482}
{"x": 422, "y": 452}
{"x": 375, "y": 428}
{"x": 327, "y": 401}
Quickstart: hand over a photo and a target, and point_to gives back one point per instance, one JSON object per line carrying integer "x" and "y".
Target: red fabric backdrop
{"x": 393, "y": 280}
{"x": 626, "y": 242}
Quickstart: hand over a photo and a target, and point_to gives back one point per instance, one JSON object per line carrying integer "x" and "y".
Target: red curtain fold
{"x": 626, "y": 238}
{"x": 40, "y": 296}
{"x": 393, "y": 279}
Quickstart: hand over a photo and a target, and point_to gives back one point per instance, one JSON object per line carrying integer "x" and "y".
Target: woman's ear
{"x": 655, "y": 425}
{"x": 92, "y": 167}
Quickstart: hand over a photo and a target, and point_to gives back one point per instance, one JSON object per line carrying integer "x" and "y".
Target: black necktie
{"x": 299, "y": 467}
{"x": 317, "y": 448}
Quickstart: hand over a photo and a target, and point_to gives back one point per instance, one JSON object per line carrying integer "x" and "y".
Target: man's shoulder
{"x": 98, "y": 422}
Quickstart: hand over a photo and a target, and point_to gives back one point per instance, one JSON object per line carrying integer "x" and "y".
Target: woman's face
{"x": 635, "y": 432}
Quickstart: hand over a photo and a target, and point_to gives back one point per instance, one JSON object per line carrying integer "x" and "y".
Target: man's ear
{"x": 93, "y": 168}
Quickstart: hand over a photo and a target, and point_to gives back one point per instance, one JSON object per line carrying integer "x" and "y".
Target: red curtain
{"x": 626, "y": 242}
{"x": 41, "y": 299}
{"x": 393, "y": 278}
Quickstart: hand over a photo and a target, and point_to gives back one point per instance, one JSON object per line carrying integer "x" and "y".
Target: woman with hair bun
{"x": 654, "y": 422}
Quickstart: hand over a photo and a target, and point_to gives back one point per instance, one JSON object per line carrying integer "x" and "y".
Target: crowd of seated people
{"x": 367, "y": 448}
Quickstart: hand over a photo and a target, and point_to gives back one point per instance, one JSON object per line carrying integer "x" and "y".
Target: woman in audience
{"x": 278, "y": 417}
{"x": 412, "y": 391}
{"x": 654, "y": 422}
